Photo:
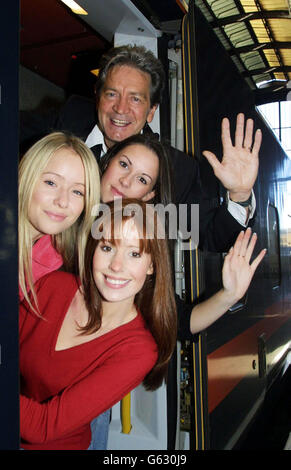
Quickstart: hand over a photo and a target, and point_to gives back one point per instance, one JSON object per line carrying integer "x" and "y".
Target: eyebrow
{"x": 106, "y": 88}
{"x": 112, "y": 241}
{"x": 60, "y": 176}
{"x": 144, "y": 174}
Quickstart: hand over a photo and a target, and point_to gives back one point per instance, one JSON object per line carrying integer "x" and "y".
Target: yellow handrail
{"x": 125, "y": 414}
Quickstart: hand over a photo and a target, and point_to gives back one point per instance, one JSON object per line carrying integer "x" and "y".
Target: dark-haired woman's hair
{"x": 163, "y": 187}
{"x": 156, "y": 300}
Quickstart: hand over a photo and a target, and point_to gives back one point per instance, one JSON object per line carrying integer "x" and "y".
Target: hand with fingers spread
{"x": 237, "y": 274}
{"x": 238, "y": 169}
{"x": 237, "y": 271}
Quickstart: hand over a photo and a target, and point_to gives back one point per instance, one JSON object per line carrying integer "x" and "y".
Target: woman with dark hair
{"x": 138, "y": 167}
{"x": 94, "y": 344}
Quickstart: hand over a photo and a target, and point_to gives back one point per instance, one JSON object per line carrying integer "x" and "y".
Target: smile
{"x": 55, "y": 217}
{"x": 119, "y": 122}
{"x": 116, "y": 193}
{"x": 116, "y": 283}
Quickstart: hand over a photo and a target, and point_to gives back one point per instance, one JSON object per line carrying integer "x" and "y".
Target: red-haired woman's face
{"x": 120, "y": 269}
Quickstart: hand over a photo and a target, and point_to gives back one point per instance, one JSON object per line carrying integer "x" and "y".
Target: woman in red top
{"x": 58, "y": 188}
{"x": 94, "y": 344}
{"x": 139, "y": 167}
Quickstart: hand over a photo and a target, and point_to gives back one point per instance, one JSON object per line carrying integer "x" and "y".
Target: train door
{"x": 246, "y": 348}
{"x": 9, "y": 414}
{"x": 139, "y": 421}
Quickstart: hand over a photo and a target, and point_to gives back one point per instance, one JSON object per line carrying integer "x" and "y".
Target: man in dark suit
{"x": 128, "y": 91}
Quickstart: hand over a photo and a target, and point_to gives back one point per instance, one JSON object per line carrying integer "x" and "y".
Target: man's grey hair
{"x": 137, "y": 57}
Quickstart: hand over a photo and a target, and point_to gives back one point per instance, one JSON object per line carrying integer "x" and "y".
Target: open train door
{"x": 193, "y": 387}
{"x": 139, "y": 421}
{"x": 234, "y": 364}
{"x": 175, "y": 416}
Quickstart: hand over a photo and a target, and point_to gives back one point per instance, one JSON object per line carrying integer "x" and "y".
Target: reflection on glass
{"x": 273, "y": 246}
{"x": 286, "y": 114}
{"x": 278, "y": 116}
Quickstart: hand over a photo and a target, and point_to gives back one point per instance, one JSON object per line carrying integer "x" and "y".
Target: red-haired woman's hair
{"x": 156, "y": 300}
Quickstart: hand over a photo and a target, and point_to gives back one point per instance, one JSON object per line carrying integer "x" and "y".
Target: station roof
{"x": 255, "y": 33}
{"x": 257, "y": 36}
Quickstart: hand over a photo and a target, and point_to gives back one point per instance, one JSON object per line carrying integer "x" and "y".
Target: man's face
{"x": 124, "y": 105}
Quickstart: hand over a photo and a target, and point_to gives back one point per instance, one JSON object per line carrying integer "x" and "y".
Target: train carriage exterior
{"x": 247, "y": 347}
{"x": 221, "y": 378}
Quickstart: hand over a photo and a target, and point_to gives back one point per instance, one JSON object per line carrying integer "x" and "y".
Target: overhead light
{"x": 259, "y": 46}
{"x": 95, "y": 72}
{"x": 266, "y": 83}
{"x": 75, "y": 7}
{"x": 245, "y": 17}
{"x": 271, "y": 69}
{"x": 280, "y": 88}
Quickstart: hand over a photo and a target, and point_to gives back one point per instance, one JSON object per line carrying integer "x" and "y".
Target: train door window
{"x": 273, "y": 246}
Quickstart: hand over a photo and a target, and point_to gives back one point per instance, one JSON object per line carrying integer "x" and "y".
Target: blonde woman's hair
{"x": 72, "y": 241}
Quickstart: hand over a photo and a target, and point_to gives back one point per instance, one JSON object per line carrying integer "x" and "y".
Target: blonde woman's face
{"x": 59, "y": 195}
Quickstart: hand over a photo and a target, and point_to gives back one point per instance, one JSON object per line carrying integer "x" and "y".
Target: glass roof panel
{"x": 238, "y": 34}
{"x": 260, "y": 30}
{"x": 273, "y": 4}
{"x": 270, "y": 25}
{"x": 249, "y": 5}
{"x": 223, "y": 8}
{"x": 281, "y": 28}
{"x": 272, "y": 57}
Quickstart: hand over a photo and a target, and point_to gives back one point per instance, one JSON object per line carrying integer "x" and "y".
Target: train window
{"x": 274, "y": 272}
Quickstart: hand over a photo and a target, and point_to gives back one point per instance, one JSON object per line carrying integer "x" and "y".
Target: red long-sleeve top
{"x": 63, "y": 390}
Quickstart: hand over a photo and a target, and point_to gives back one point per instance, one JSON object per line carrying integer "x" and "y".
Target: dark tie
{"x": 96, "y": 149}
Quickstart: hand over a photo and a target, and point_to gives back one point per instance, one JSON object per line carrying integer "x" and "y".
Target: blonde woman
{"x": 58, "y": 188}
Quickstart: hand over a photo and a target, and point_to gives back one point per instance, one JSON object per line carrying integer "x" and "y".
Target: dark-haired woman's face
{"x": 132, "y": 173}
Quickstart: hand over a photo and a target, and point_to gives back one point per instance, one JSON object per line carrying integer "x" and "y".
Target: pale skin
{"x": 119, "y": 273}
{"x": 237, "y": 172}
{"x": 237, "y": 274}
{"x": 118, "y": 305}
{"x": 238, "y": 169}
{"x": 58, "y": 197}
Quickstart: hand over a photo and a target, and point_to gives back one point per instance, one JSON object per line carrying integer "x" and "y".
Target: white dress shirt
{"x": 96, "y": 138}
